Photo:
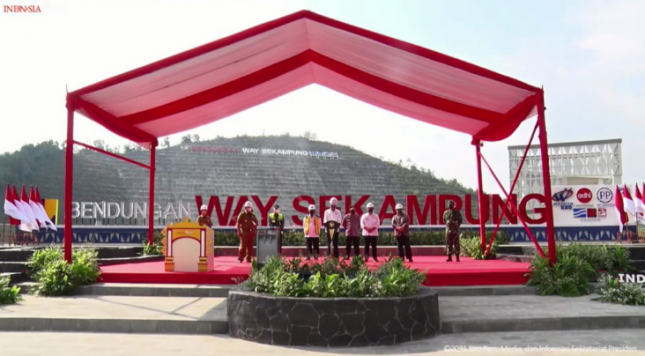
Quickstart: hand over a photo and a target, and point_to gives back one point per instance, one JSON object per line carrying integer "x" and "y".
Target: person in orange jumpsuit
{"x": 247, "y": 228}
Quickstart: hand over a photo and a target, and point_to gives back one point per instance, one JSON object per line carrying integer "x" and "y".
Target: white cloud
{"x": 615, "y": 32}
{"x": 591, "y": 62}
{"x": 615, "y": 38}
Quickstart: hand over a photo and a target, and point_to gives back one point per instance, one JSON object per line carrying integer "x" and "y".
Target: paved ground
{"x": 529, "y": 306}
{"x": 161, "y": 285}
{"x": 613, "y": 342}
{"x": 192, "y": 308}
{"x": 153, "y": 290}
{"x": 118, "y": 307}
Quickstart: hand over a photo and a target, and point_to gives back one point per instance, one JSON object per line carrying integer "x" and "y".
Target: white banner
{"x": 584, "y": 205}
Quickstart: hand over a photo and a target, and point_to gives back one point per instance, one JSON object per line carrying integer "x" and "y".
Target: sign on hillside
{"x": 263, "y": 151}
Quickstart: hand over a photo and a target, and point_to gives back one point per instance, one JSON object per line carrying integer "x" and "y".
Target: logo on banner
{"x": 580, "y": 213}
{"x": 586, "y": 213}
{"x": 584, "y": 195}
{"x": 590, "y": 205}
{"x": 563, "y": 195}
{"x": 605, "y": 195}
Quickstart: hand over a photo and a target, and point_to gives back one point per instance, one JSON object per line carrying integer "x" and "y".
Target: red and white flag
{"x": 630, "y": 207}
{"x": 10, "y": 208}
{"x": 33, "y": 224}
{"x": 640, "y": 206}
{"x": 620, "y": 209}
{"x": 638, "y": 201}
{"x": 48, "y": 221}
{"x": 643, "y": 200}
{"x": 25, "y": 225}
{"x": 13, "y": 221}
{"x": 34, "y": 207}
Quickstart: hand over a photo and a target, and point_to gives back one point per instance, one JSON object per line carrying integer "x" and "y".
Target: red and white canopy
{"x": 227, "y": 76}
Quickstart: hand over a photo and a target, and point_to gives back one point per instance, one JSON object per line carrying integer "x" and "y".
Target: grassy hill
{"x": 184, "y": 171}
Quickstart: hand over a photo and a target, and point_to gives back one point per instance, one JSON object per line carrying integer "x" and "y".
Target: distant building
{"x": 571, "y": 163}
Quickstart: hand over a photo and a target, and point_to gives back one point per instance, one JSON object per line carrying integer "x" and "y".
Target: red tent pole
{"x": 151, "y": 202}
{"x": 517, "y": 175}
{"x": 69, "y": 179}
{"x": 546, "y": 177}
{"x": 480, "y": 196}
{"x": 515, "y": 210}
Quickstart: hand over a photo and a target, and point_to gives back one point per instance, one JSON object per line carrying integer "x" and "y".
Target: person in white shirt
{"x": 370, "y": 223}
{"x": 332, "y": 220}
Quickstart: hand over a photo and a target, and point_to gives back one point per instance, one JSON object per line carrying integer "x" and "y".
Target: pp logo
{"x": 605, "y": 195}
{"x": 584, "y": 195}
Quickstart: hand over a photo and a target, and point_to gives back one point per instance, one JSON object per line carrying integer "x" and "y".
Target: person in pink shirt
{"x": 352, "y": 226}
{"x": 370, "y": 223}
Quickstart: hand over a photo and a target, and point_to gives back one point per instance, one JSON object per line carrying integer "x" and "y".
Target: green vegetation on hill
{"x": 43, "y": 165}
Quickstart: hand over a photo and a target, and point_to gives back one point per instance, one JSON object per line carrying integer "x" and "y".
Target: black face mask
{"x": 400, "y": 212}
{"x": 370, "y": 210}
{"x": 312, "y": 213}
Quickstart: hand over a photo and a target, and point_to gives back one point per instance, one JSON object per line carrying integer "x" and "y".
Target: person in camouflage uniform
{"x": 452, "y": 219}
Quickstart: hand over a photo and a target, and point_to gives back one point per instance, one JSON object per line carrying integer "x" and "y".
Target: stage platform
{"x": 228, "y": 270}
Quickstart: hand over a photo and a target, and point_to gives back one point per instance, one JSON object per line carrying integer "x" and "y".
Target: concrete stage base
{"x": 332, "y": 322}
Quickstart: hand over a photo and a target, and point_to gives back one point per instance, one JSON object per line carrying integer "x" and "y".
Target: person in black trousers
{"x": 352, "y": 226}
{"x": 370, "y": 223}
{"x": 401, "y": 225}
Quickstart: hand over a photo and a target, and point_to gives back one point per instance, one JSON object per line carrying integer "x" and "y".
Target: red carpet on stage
{"x": 227, "y": 270}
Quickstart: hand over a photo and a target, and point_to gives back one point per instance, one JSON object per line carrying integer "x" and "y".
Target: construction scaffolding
{"x": 571, "y": 163}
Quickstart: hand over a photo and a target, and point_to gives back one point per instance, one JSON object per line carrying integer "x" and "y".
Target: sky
{"x": 588, "y": 55}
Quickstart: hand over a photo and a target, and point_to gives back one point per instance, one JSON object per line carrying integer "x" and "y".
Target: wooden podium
{"x": 188, "y": 247}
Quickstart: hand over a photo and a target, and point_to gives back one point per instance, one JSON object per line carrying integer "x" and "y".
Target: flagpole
{"x": 4, "y": 227}
{"x": 636, "y": 216}
{"x": 636, "y": 238}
